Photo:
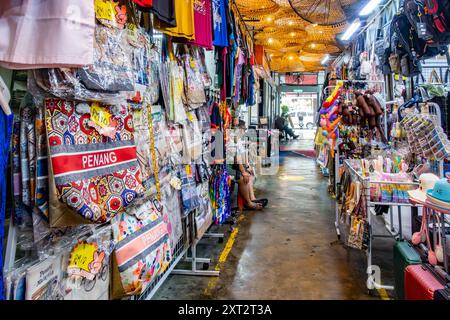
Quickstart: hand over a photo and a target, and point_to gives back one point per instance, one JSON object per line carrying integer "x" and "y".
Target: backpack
{"x": 439, "y": 10}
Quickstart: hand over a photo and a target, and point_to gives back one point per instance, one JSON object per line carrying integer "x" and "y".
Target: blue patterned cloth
{"x": 6, "y": 126}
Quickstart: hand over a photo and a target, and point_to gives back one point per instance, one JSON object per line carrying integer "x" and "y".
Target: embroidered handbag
{"x": 95, "y": 175}
{"x": 142, "y": 246}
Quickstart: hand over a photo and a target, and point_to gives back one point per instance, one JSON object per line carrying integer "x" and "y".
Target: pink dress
{"x": 46, "y": 34}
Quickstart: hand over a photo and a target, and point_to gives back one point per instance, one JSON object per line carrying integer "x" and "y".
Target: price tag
{"x": 104, "y": 9}
{"x": 190, "y": 116}
{"x": 188, "y": 170}
{"x": 85, "y": 260}
{"x": 100, "y": 116}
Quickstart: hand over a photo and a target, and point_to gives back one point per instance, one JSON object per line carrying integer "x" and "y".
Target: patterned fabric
{"x": 41, "y": 193}
{"x": 26, "y": 115}
{"x": 17, "y": 176}
{"x": 6, "y": 125}
{"x": 95, "y": 175}
{"x": 142, "y": 246}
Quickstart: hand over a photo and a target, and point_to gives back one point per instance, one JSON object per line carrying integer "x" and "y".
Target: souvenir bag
{"x": 142, "y": 248}
{"x": 94, "y": 161}
{"x": 194, "y": 91}
{"x": 86, "y": 267}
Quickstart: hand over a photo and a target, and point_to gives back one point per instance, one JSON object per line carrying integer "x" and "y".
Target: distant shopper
{"x": 281, "y": 124}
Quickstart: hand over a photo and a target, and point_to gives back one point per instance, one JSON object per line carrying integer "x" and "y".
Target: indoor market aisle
{"x": 288, "y": 251}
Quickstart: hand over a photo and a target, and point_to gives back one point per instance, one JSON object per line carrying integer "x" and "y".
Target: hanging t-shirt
{"x": 184, "y": 13}
{"x": 164, "y": 10}
{"x": 203, "y": 28}
{"x": 220, "y": 8}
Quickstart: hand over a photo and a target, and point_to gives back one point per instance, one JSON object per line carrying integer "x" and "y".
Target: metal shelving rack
{"x": 366, "y": 182}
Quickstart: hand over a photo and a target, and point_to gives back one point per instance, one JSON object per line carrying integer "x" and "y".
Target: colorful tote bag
{"x": 96, "y": 175}
{"x": 142, "y": 246}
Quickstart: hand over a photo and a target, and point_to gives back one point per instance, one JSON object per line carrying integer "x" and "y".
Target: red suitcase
{"x": 420, "y": 283}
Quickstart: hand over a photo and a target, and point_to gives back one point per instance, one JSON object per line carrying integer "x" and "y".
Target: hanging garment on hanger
{"x": 203, "y": 27}
{"x": 164, "y": 10}
{"x": 44, "y": 34}
{"x": 219, "y": 9}
{"x": 184, "y": 12}
{"x": 6, "y": 126}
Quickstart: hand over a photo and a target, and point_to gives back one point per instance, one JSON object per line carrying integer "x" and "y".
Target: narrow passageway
{"x": 288, "y": 251}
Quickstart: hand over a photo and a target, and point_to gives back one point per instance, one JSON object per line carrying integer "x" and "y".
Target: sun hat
{"x": 440, "y": 193}
{"x": 426, "y": 181}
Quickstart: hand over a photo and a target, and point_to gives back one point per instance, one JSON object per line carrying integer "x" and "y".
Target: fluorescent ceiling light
{"x": 325, "y": 59}
{"x": 370, "y": 6}
{"x": 351, "y": 30}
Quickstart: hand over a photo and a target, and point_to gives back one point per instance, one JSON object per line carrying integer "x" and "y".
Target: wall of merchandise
{"x": 112, "y": 175}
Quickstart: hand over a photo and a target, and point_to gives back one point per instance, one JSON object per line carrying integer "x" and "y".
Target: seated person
{"x": 280, "y": 124}
{"x": 245, "y": 177}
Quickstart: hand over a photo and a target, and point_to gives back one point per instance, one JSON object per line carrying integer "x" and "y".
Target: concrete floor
{"x": 288, "y": 251}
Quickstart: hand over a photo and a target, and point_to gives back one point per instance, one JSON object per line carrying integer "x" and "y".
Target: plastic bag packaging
{"x": 192, "y": 139}
{"x": 194, "y": 91}
{"x": 144, "y": 60}
{"x": 152, "y": 93}
{"x": 175, "y": 142}
{"x": 112, "y": 70}
{"x": 177, "y": 113}
{"x": 88, "y": 280}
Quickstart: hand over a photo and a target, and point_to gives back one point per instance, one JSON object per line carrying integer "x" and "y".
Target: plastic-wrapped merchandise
{"x": 204, "y": 216}
{"x": 192, "y": 139}
{"x": 172, "y": 213}
{"x": 86, "y": 267}
{"x": 194, "y": 91}
{"x": 112, "y": 70}
{"x": 177, "y": 113}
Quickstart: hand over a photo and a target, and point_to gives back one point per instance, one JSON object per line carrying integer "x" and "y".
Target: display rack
{"x": 366, "y": 183}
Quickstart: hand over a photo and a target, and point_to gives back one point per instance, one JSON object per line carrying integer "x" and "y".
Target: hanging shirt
{"x": 184, "y": 13}
{"x": 6, "y": 125}
{"x": 164, "y": 10}
{"x": 203, "y": 27}
{"x": 220, "y": 8}
{"x": 27, "y": 43}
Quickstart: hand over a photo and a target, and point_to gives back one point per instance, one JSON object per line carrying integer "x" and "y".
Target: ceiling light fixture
{"x": 370, "y": 6}
{"x": 351, "y": 30}
{"x": 270, "y": 40}
{"x": 325, "y": 59}
{"x": 290, "y": 23}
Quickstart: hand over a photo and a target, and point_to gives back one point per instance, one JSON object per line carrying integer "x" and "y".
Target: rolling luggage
{"x": 421, "y": 283}
{"x": 404, "y": 255}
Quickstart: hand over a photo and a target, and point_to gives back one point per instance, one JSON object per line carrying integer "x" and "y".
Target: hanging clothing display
{"x": 219, "y": 18}
{"x": 203, "y": 29}
{"x": 184, "y": 13}
{"x": 25, "y": 23}
{"x": 164, "y": 10}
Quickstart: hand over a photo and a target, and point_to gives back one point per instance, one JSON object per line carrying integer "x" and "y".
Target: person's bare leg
{"x": 251, "y": 189}
{"x": 244, "y": 192}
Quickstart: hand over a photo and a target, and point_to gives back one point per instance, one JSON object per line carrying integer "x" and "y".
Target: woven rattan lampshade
{"x": 322, "y": 12}
{"x": 293, "y": 43}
